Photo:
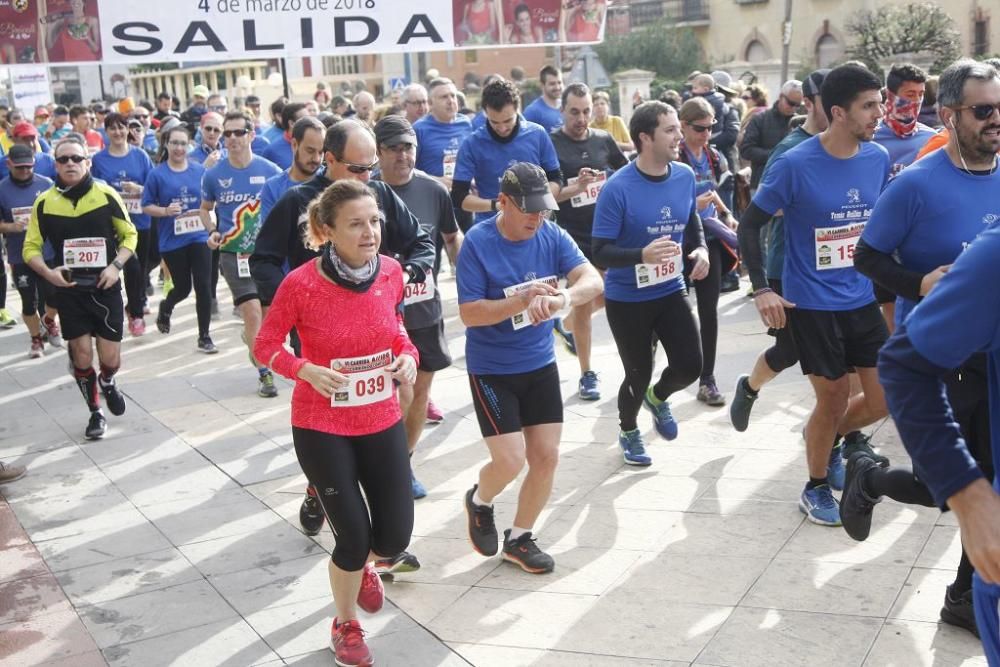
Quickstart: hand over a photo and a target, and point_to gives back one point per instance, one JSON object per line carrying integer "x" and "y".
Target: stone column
{"x": 631, "y": 82}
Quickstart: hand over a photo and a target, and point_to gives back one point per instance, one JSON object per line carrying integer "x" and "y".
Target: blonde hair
{"x": 323, "y": 210}
{"x": 601, "y": 95}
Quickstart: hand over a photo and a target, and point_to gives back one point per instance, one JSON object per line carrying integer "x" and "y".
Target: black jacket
{"x": 764, "y": 131}
{"x": 282, "y": 236}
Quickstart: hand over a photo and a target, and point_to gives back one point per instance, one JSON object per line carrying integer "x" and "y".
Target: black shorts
{"x": 508, "y": 403}
{"x": 882, "y": 295}
{"x": 96, "y": 313}
{"x": 432, "y": 346}
{"x": 832, "y": 343}
{"x": 35, "y": 291}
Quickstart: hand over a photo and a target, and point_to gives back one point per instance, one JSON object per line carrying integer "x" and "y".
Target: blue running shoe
{"x": 633, "y": 448}
{"x": 820, "y": 506}
{"x": 418, "y": 489}
{"x": 567, "y": 337}
{"x": 835, "y": 470}
{"x": 589, "y": 389}
{"x": 663, "y": 419}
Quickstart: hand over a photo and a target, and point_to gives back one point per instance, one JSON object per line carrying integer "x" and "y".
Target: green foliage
{"x": 669, "y": 51}
{"x": 919, "y": 27}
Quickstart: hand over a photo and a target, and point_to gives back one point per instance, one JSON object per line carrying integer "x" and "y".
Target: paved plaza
{"x": 175, "y": 540}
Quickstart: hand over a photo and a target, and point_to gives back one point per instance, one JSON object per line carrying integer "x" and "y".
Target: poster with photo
{"x": 20, "y": 41}
{"x": 531, "y": 21}
{"x": 477, "y": 22}
{"x": 71, "y": 30}
{"x": 583, "y": 21}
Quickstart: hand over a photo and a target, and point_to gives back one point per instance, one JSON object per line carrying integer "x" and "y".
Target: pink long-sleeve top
{"x": 335, "y": 323}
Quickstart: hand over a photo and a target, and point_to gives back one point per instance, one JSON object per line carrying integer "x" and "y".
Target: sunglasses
{"x": 209, "y": 128}
{"x": 178, "y": 144}
{"x": 980, "y": 111}
{"x": 135, "y": 126}
{"x": 700, "y": 128}
{"x": 235, "y": 133}
{"x": 359, "y": 168}
{"x": 65, "y": 159}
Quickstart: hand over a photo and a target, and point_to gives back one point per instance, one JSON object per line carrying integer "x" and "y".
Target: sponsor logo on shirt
{"x": 225, "y": 182}
{"x": 991, "y": 219}
{"x": 853, "y": 196}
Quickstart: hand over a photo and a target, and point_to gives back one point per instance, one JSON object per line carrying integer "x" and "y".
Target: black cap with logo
{"x": 528, "y": 186}
{"x": 21, "y": 155}
{"x": 394, "y": 130}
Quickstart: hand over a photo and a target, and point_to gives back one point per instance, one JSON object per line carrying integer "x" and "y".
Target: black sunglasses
{"x": 359, "y": 168}
{"x": 235, "y": 133}
{"x": 700, "y": 128}
{"x": 64, "y": 159}
{"x": 980, "y": 111}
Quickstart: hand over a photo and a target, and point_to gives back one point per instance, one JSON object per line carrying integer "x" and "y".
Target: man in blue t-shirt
{"x": 307, "y": 156}
{"x": 506, "y": 138}
{"x": 545, "y": 110}
{"x": 279, "y": 151}
{"x": 232, "y": 189}
{"x": 826, "y": 187}
{"x": 508, "y": 273}
{"x": 211, "y": 150}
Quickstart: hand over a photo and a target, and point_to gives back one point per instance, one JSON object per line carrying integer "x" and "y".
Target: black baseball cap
{"x": 813, "y": 82}
{"x": 528, "y": 186}
{"x": 21, "y": 155}
{"x": 394, "y": 130}
{"x": 252, "y": 99}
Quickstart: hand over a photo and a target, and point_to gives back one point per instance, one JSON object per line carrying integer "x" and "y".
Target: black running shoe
{"x": 112, "y": 396}
{"x": 311, "y": 515}
{"x": 206, "y": 345}
{"x": 401, "y": 562}
{"x": 162, "y": 321}
{"x": 97, "y": 426}
{"x": 959, "y": 611}
{"x": 743, "y": 400}
{"x": 482, "y": 529}
{"x": 524, "y": 553}
{"x": 855, "y": 505}
{"x": 856, "y": 441}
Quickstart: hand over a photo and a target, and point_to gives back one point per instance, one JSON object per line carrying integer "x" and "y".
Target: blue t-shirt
{"x": 279, "y": 152}
{"x": 273, "y": 189}
{"x": 236, "y": 193}
{"x": 633, "y": 210}
{"x": 826, "y": 202}
{"x": 15, "y": 203}
{"x": 45, "y": 165}
{"x": 484, "y": 159}
{"x": 704, "y": 178}
{"x": 925, "y": 230}
{"x": 775, "y": 262}
{"x": 133, "y": 167}
{"x": 273, "y": 133}
{"x": 437, "y": 141}
{"x": 259, "y": 143}
{"x": 165, "y": 186}
{"x": 149, "y": 141}
{"x": 541, "y": 113}
{"x": 488, "y": 264}
{"x": 902, "y": 150}
{"x": 479, "y": 120}
{"x": 201, "y": 151}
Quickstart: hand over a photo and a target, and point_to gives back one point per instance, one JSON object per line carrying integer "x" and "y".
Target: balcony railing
{"x": 627, "y": 16}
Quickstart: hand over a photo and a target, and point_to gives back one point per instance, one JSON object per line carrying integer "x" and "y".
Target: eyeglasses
{"x": 417, "y": 102}
{"x": 135, "y": 126}
{"x": 64, "y": 159}
{"x": 177, "y": 143}
{"x": 358, "y": 168}
{"x": 218, "y": 107}
{"x": 700, "y": 128}
{"x": 980, "y": 111}
{"x": 235, "y": 133}
{"x": 209, "y": 128}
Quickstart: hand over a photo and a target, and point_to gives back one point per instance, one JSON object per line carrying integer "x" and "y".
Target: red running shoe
{"x": 372, "y": 593}
{"x": 434, "y": 414}
{"x": 347, "y": 641}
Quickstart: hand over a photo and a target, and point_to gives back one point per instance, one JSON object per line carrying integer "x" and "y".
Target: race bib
{"x": 133, "y": 201}
{"x": 188, "y": 223}
{"x": 22, "y": 215}
{"x": 243, "y": 264}
{"x": 418, "y": 292}
{"x": 522, "y": 319}
{"x": 647, "y": 275}
{"x": 589, "y": 194}
{"x": 450, "y": 160}
{"x": 369, "y": 382}
{"x": 835, "y": 246}
{"x": 85, "y": 253}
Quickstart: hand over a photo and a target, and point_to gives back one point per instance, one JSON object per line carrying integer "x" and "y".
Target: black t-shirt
{"x": 598, "y": 151}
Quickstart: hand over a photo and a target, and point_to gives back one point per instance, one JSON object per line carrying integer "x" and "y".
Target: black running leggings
{"x": 707, "y": 291}
{"x": 783, "y": 354}
{"x": 191, "y": 265}
{"x": 634, "y": 326}
{"x": 135, "y": 275}
{"x": 335, "y": 465}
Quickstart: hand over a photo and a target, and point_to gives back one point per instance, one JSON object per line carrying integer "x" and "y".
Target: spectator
{"x": 199, "y": 105}
{"x": 765, "y": 130}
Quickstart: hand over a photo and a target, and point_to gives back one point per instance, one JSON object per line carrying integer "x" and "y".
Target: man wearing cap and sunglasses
{"x": 26, "y": 134}
{"x": 349, "y": 152}
{"x": 508, "y": 276}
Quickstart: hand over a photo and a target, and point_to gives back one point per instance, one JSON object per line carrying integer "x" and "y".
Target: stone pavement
{"x": 175, "y": 540}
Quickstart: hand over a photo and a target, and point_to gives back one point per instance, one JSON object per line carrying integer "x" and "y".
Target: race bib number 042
{"x": 419, "y": 292}
{"x": 368, "y": 381}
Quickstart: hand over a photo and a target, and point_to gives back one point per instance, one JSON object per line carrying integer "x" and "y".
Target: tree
{"x": 661, "y": 47}
{"x": 920, "y": 27}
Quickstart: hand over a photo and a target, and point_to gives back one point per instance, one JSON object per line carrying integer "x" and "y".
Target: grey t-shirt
{"x": 430, "y": 202}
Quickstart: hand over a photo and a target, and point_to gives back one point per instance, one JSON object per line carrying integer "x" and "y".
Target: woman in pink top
{"x": 346, "y": 422}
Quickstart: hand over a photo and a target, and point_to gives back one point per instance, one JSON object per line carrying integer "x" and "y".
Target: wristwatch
{"x": 493, "y": 205}
{"x": 117, "y": 264}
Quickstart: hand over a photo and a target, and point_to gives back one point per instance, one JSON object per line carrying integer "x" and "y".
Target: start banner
{"x": 113, "y": 31}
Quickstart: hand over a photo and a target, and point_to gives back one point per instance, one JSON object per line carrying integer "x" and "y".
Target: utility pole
{"x": 786, "y": 40}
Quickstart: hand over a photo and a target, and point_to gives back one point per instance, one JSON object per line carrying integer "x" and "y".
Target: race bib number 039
{"x": 647, "y": 275}
{"x": 835, "y": 246}
{"x": 188, "y": 223}
{"x": 85, "y": 253}
{"x": 522, "y": 319}
{"x": 589, "y": 195}
{"x": 368, "y": 382}
{"x": 418, "y": 292}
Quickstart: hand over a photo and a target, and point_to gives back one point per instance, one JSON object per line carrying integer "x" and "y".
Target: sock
{"x": 478, "y": 500}
{"x": 748, "y": 389}
{"x": 108, "y": 374}
{"x": 516, "y": 532}
{"x": 652, "y": 398}
{"x": 86, "y": 380}
{"x": 963, "y": 578}
{"x": 815, "y": 481}
{"x": 626, "y": 433}
{"x": 263, "y": 370}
